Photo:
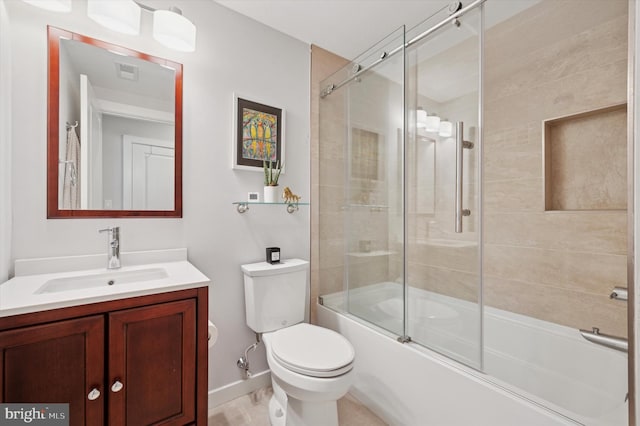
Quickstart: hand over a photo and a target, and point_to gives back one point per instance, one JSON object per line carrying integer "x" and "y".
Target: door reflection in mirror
{"x": 125, "y": 155}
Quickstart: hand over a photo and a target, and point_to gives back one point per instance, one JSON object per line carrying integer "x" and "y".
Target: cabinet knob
{"x": 116, "y": 386}
{"x": 94, "y": 394}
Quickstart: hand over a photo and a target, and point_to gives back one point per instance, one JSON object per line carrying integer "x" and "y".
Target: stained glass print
{"x": 259, "y": 135}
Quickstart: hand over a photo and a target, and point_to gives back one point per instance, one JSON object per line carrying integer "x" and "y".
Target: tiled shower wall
{"x": 558, "y": 266}
{"x": 326, "y": 176}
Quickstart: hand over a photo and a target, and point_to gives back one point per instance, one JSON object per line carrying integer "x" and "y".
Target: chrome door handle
{"x": 93, "y": 394}
{"x": 116, "y": 386}
{"x": 461, "y": 144}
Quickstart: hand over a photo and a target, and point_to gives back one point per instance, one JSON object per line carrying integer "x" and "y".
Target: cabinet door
{"x": 152, "y": 353}
{"x": 61, "y": 362}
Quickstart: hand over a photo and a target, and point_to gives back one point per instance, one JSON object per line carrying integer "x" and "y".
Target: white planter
{"x": 271, "y": 194}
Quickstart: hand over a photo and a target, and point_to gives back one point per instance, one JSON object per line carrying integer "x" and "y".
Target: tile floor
{"x": 252, "y": 410}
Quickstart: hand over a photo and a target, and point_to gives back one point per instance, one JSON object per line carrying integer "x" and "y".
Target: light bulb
{"x": 446, "y": 129}
{"x": 173, "y": 30}
{"x": 432, "y": 123}
{"x": 122, "y": 16}
{"x": 421, "y": 118}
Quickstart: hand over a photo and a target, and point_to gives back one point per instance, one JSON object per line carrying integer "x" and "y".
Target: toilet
{"x": 311, "y": 366}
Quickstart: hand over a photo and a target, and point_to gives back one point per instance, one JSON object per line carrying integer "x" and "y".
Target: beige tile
{"x": 514, "y": 195}
{"x": 314, "y": 292}
{"x": 325, "y": 63}
{"x": 332, "y": 252}
{"x": 568, "y": 95}
{"x": 331, "y": 281}
{"x": 511, "y": 165}
{"x": 519, "y": 161}
{"x": 519, "y": 136}
{"x": 559, "y": 305}
{"x": 454, "y": 283}
{"x": 368, "y": 272}
{"x": 331, "y": 225}
{"x": 457, "y": 258}
{"x": 504, "y": 42}
{"x": 586, "y": 49}
{"x": 595, "y": 232}
{"x": 594, "y": 273}
{"x": 331, "y": 173}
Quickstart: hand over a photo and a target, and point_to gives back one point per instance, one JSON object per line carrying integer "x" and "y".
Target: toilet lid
{"x": 312, "y": 351}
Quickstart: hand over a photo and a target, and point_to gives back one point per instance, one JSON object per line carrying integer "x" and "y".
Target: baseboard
{"x": 237, "y": 389}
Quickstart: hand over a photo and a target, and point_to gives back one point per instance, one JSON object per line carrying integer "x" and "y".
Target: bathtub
{"x": 533, "y": 372}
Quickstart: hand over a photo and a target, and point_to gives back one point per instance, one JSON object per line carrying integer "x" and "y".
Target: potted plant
{"x": 271, "y": 176}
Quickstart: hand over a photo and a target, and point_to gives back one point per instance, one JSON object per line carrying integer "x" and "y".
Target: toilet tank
{"x": 275, "y": 294}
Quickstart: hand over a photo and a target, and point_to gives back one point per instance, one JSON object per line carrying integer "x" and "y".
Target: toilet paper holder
{"x": 212, "y": 333}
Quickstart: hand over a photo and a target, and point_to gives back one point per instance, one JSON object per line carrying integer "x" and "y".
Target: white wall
{"x": 234, "y": 54}
{"x": 5, "y": 144}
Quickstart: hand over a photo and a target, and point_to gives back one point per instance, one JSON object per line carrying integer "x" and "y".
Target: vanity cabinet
{"x": 56, "y": 362}
{"x": 137, "y": 361}
{"x": 152, "y": 357}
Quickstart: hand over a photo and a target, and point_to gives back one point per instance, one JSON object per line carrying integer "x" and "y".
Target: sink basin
{"x": 79, "y": 282}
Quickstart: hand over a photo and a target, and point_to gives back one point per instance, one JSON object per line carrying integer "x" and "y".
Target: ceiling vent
{"x": 127, "y": 71}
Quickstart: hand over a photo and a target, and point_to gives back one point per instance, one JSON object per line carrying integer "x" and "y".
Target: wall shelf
{"x": 585, "y": 159}
{"x": 243, "y": 206}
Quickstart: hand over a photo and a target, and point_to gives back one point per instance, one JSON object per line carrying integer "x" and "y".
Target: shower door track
{"x": 385, "y": 55}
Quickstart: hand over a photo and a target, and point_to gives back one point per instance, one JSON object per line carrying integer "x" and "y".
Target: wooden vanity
{"x": 135, "y": 360}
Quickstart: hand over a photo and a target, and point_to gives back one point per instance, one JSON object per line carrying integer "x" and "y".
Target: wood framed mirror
{"x": 114, "y": 138}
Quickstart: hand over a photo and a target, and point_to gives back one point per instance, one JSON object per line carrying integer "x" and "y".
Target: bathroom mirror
{"x": 114, "y": 131}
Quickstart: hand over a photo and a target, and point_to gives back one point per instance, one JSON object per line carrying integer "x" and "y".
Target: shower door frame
{"x": 633, "y": 179}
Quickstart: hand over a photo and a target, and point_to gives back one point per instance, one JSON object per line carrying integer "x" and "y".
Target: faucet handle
{"x": 114, "y": 229}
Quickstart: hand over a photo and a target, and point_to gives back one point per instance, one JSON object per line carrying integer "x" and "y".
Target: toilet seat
{"x": 312, "y": 351}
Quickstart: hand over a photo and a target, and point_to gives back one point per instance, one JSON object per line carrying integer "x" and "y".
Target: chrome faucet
{"x": 113, "y": 249}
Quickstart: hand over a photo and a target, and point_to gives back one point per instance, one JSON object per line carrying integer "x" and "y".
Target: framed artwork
{"x": 258, "y": 134}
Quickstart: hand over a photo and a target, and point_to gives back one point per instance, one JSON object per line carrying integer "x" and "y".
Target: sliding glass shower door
{"x": 443, "y": 211}
{"x": 403, "y": 122}
{"x": 373, "y": 219}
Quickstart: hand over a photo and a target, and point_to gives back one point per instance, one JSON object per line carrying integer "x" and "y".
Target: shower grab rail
{"x": 386, "y": 55}
{"x": 613, "y": 342}
{"x": 619, "y": 293}
{"x": 461, "y": 144}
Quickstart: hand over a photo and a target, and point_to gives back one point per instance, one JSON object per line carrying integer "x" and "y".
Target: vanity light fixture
{"x": 173, "y": 30}
{"x": 432, "y": 123}
{"x": 421, "y": 118}
{"x": 122, "y": 16}
{"x": 170, "y": 28}
{"x": 54, "y": 5}
{"x": 446, "y": 129}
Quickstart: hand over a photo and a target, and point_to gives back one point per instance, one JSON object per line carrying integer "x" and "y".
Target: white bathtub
{"x": 537, "y": 373}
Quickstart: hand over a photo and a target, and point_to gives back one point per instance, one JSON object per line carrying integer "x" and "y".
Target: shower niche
{"x": 585, "y": 160}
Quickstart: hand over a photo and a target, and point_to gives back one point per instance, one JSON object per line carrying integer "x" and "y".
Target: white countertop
{"x": 18, "y": 295}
